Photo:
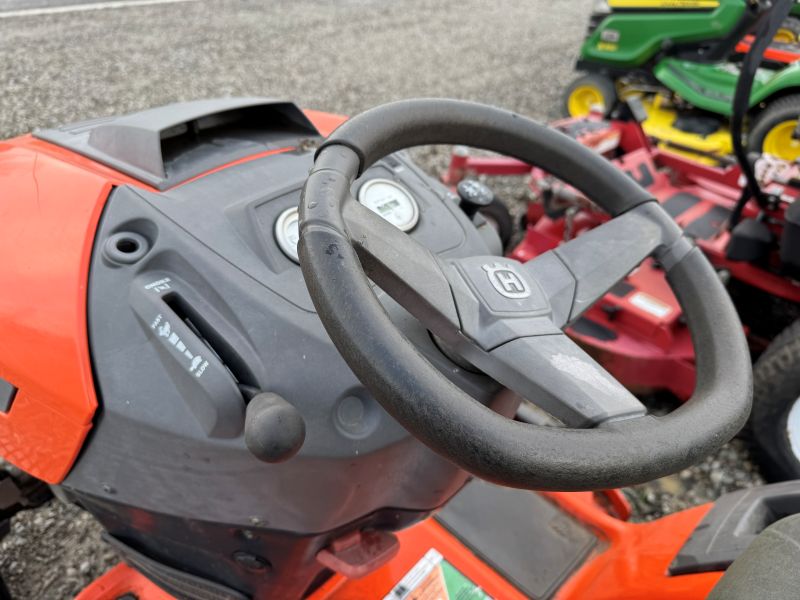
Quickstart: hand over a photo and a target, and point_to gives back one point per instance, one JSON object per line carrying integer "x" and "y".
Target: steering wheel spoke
{"x": 401, "y": 267}
{"x": 596, "y": 260}
{"x": 510, "y": 319}
{"x": 558, "y": 376}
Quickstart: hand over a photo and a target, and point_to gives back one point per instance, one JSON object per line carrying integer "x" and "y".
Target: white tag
{"x": 650, "y": 305}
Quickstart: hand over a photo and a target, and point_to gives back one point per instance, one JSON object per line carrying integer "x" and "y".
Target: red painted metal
{"x": 51, "y": 203}
{"x": 634, "y": 560}
{"x": 780, "y": 53}
{"x": 461, "y": 164}
{"x": 644, "y": 342}
{"x": 122, "y": 580}
{"x": 325, "y": 123}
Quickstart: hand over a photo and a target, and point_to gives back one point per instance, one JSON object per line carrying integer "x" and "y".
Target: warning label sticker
{"x": 433, "y": 578}
{"x": 650, "y": 305}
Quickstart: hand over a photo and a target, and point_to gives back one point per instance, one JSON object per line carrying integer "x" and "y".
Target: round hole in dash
{"x": 126, "y": 248}
{"x": 127, "y": 245}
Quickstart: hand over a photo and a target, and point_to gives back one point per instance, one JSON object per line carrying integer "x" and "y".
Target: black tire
{"x": 602, "y": 83}
{"x": 778, "y": 111}
{"x": 499, "y": 217}
{"x": 792, "y": 24}
{"x": 776, "y": 389}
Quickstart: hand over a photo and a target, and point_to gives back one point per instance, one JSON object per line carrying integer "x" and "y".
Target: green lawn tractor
{"x": 679, "y": 57}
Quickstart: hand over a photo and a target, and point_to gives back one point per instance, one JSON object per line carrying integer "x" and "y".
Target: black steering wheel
{"x": 506, "y": 318}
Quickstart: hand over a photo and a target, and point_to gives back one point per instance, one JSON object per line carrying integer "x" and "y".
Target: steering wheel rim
{"x": 620, "y": 451}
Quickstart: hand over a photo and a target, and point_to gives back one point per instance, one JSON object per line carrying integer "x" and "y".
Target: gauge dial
{"x": 391, "y": 201}
{"x": 287, "y": 232}
{"x": 384, "y": 197}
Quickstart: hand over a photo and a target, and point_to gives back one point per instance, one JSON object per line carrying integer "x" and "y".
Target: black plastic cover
{"x": 170, "y": 144}
{"x": 750, "y": 241}
{"x": 768, "y": 568}
{"x": 185, "y": 335}
{"x": 520, "y": 534}
{"x": 709, "y": 225}
{"x": 215, "y": 284}
{"x": 732, "y": 525}
{"x": 679, "y": 203}
{"x": 178, "y": 583}
{"x": 790, "y": 238}
{"x": 7, "y": 394}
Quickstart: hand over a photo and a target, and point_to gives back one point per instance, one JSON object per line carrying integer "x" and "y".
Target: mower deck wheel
{"x": 587, "y": 93}
{"x": 773, "y": 130}
{"x": 775, "y": 421}
{"x": 789, "y": 31}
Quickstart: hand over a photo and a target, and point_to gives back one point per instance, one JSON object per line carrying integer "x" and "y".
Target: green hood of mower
{"x": 634, "y": 37}
{"x": 711, "y": 87}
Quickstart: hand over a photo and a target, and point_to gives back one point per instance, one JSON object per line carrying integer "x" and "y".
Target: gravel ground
{"x": 343, "y": 57}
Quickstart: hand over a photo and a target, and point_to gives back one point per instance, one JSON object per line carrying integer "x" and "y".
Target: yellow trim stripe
{"x": 672, "y": 4}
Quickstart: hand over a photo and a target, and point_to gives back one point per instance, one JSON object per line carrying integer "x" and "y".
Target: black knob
{"x": 474, "y": 196}
{"x": 274, "y": 430}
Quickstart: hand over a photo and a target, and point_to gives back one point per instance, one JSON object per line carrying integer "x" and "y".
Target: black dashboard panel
{"x": 214, "y": 310}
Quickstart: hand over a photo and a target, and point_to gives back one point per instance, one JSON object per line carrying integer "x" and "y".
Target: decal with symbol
{"x": 507, "y": 281}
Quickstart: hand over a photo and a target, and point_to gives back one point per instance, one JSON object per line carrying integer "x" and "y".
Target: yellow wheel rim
{"x": 785, "y": 36}
{"x": 583, "y": 98}
{"x": 780, "y": 141}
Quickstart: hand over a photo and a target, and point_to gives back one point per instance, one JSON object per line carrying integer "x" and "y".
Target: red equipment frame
{"x": 637, "y": 331}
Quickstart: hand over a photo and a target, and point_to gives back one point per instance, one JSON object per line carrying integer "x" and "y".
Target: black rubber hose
{"x": 767, "y": 26}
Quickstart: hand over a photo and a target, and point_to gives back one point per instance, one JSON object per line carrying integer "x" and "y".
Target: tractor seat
{"x": 768, "y": 569}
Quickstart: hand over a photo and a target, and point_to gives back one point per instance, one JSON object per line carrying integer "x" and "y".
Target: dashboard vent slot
{"x": 165, "y": 146}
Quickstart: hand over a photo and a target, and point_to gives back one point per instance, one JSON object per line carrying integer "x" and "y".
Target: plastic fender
{"x": 50, "y": 207}
{"x": 787, "y": 78}
{"x": 51, "y": 202}
{"x": 709, "y": 87}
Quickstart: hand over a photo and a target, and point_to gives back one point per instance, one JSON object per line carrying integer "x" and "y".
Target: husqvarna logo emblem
{"x": 507, "y": 281}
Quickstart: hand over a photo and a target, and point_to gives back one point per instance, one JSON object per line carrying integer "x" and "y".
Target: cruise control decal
{"x": 197, "y": 365}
